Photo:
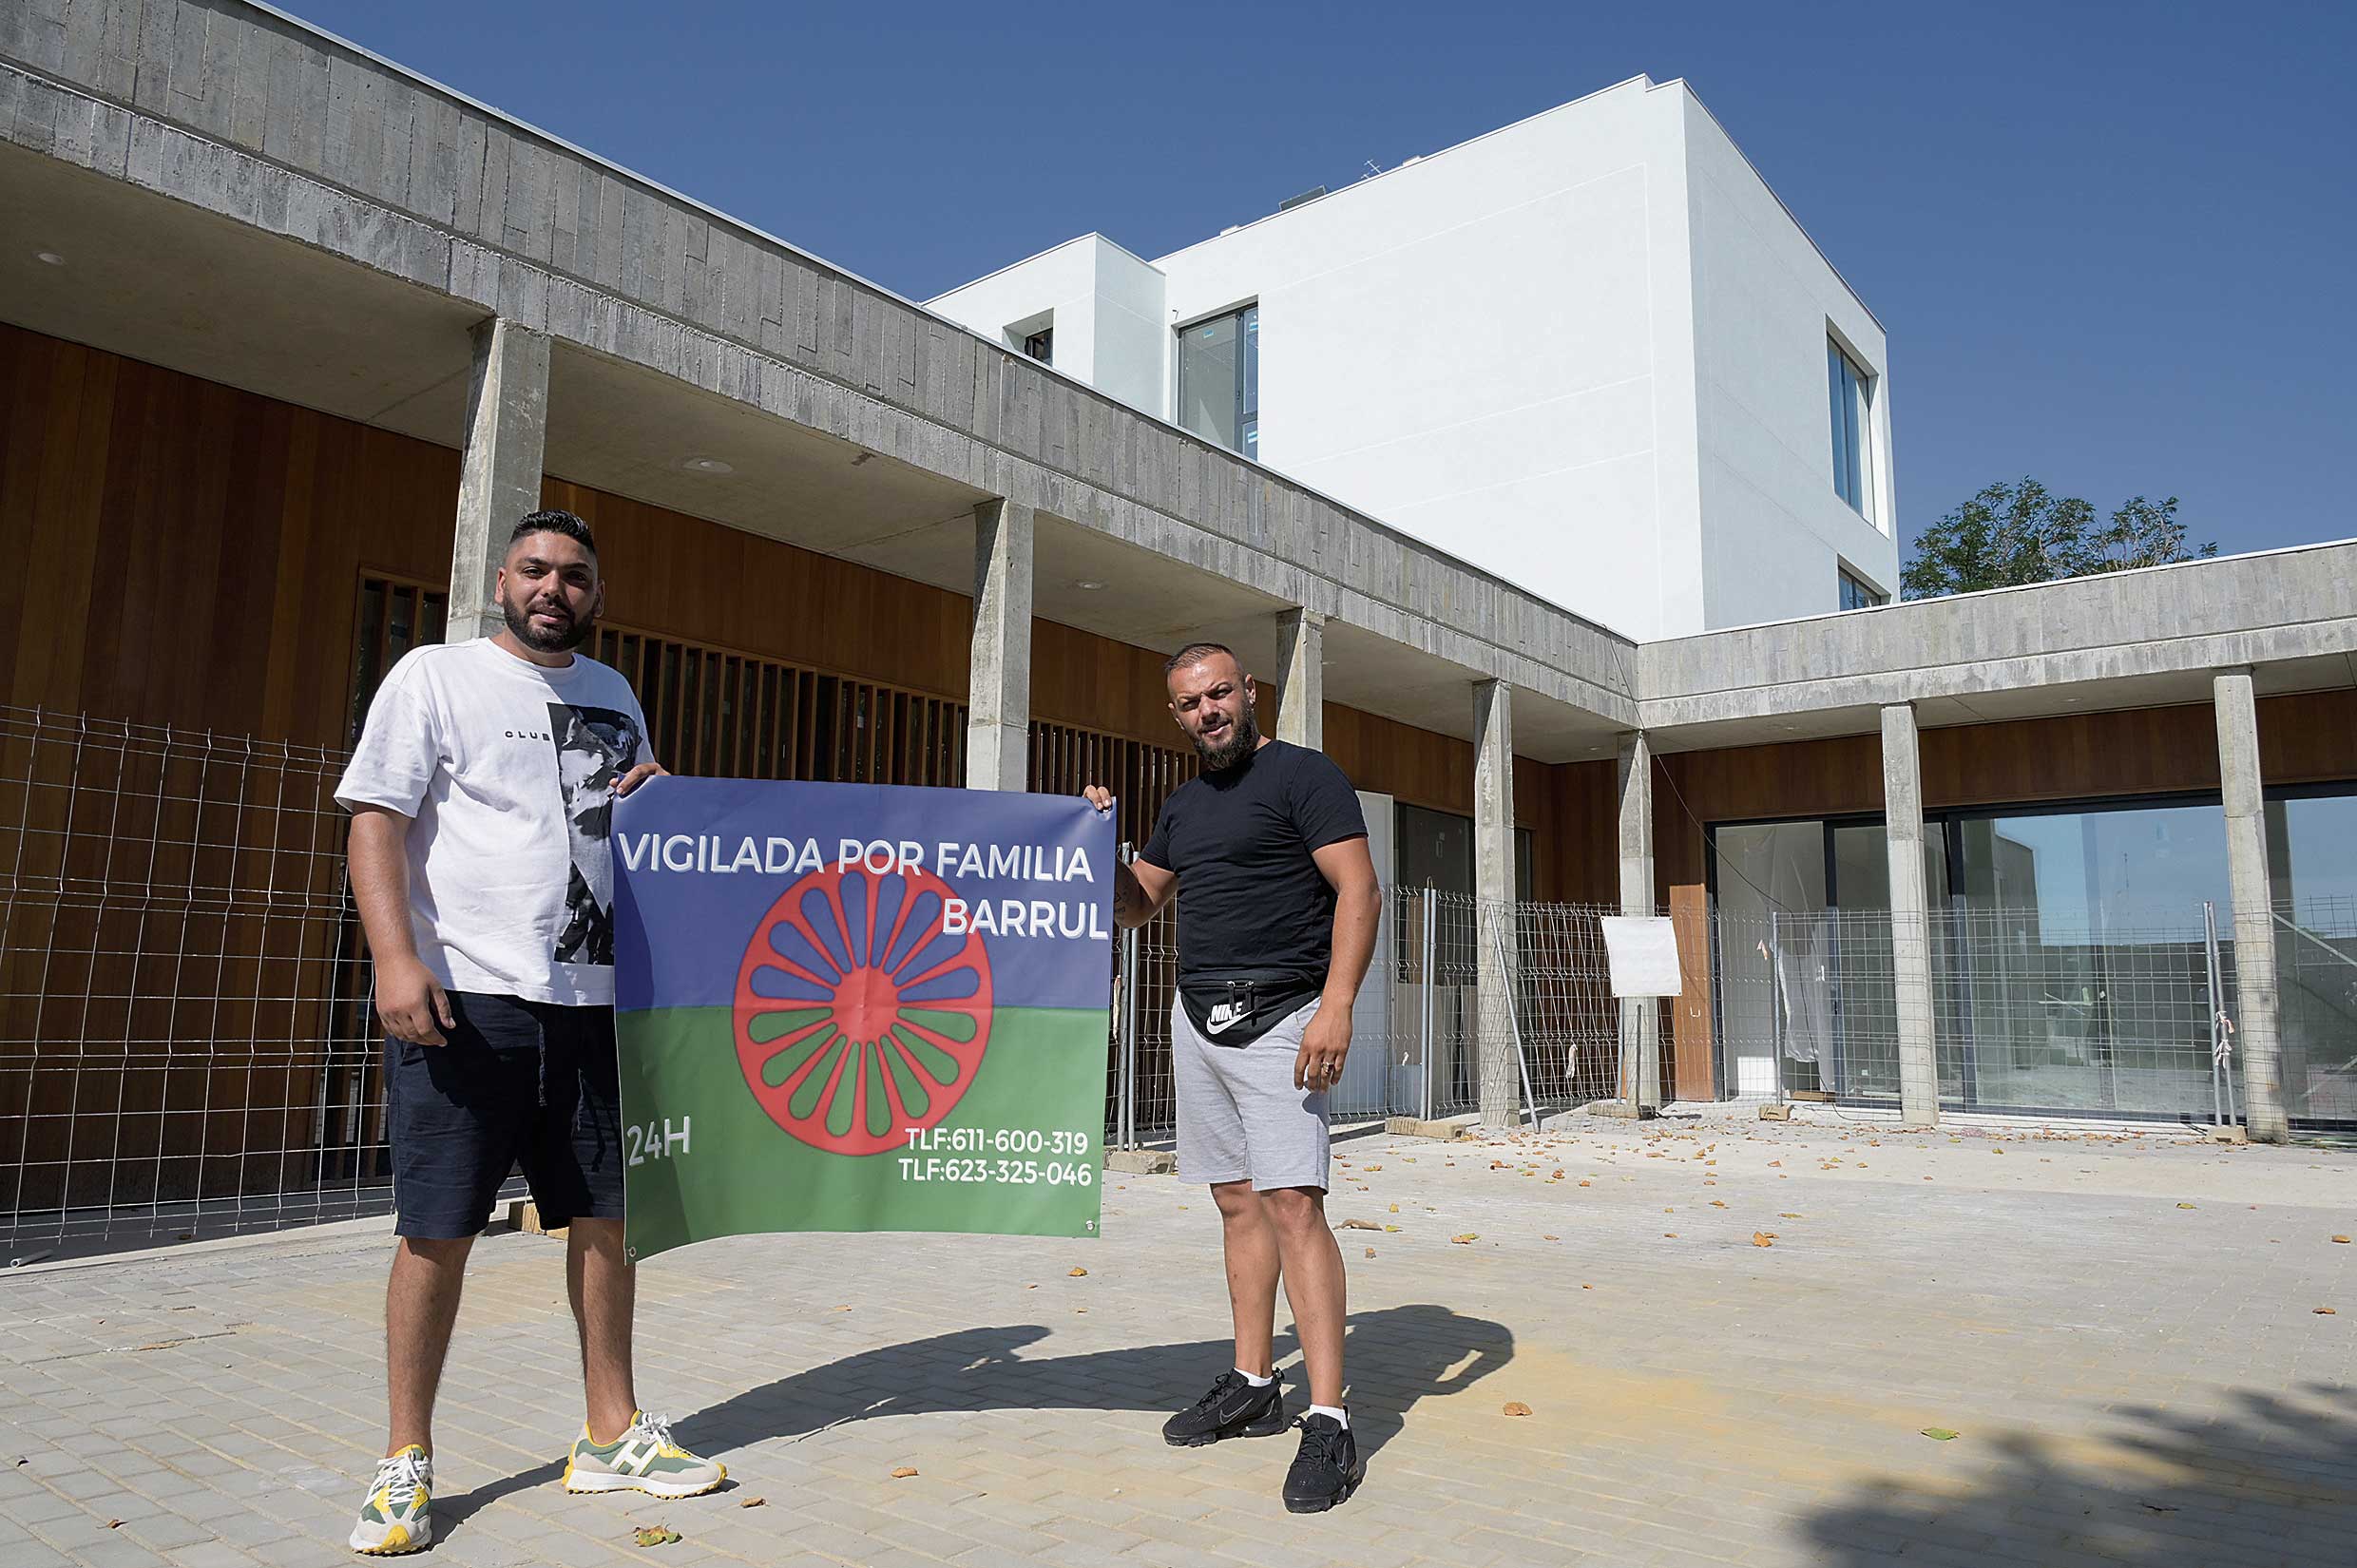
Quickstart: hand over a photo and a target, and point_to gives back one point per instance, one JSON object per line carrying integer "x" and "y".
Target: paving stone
{"x": 1698, "y": 1402}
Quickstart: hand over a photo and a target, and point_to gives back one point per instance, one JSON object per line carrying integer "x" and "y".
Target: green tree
{"x": 2012, "y": 534}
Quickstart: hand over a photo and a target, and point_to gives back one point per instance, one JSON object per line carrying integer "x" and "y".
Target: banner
{"x": 859, "y": 1007}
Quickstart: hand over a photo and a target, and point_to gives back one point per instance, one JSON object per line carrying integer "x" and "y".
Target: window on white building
{"x": 1847, "y": 385}
{"x": 1858, "y": 594}
{"x": 1220, "y": 379}
{"x": 1041, "y": 345}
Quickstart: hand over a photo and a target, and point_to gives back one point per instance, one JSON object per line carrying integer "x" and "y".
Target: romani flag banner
{"x": 859, "y": 1007}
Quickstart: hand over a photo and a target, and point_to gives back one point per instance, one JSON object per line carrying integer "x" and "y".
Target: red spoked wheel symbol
{"x": 858, "y": 1015}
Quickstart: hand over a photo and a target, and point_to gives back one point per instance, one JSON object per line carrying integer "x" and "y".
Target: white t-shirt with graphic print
{"x": 505, "y": 769}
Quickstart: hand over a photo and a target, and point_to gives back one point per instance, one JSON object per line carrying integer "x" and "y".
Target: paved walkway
{"x": 2122, "y": 1333}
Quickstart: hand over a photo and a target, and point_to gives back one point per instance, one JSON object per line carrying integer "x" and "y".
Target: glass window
{"x": 1846, "y": 388}
{"x": 1858, "y": 594}
{"x": 2312, "y": 845}
{"x": 1219, "y": 380}
{"x": 2074, "y": 964}
{"x": 1806, "y": 994}
{"x": 1041, "y": 345}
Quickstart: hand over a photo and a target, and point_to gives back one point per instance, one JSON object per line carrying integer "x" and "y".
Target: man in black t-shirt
{"x": 1277, "y": 905}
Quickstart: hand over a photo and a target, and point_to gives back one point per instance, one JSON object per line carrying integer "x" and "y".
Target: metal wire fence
{"x": 2316, "y": 983}
{"x": 1421, "y": 1037}
{"x": 183, "y": 1035}
{"x": 2031, "y": 1013}
{"x": 186, "y": 1043}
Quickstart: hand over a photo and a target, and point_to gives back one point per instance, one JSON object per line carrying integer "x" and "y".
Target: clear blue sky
{"x": 2115, "y": 245}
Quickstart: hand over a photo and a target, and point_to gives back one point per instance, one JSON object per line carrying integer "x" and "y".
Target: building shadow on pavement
{"x": 1397, "y": 1356}
{"x": 2273, "y": 1479}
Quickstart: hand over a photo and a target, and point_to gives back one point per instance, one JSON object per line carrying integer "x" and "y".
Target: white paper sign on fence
{"x": 1642, "y": 950}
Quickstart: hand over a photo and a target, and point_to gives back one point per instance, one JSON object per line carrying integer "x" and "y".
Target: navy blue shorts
{"x": 528, "y": 1083}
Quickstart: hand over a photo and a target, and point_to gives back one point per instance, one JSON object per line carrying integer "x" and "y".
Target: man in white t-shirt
{"x": 482, "y": 800}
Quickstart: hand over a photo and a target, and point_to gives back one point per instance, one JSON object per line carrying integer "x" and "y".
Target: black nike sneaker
{"x": 1233, "y": 1408}
{"x": 1327, "y": 1468}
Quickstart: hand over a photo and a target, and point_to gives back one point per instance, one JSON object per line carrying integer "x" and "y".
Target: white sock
{"x": 1334, "y": 1410}
{"x": 1255, "y": 1381}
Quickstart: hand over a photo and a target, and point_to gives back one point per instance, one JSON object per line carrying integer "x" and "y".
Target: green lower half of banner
{"x": 1018, "y": 1154}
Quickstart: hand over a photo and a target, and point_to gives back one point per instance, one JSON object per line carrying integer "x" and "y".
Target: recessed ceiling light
{"x": 1090, "y": 584}
{"x": 49, "y": 258}
{"x": 706, "y": 465}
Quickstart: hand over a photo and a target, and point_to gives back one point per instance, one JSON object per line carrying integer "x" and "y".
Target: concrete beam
{"x": 499, "y": 470}
{"x": 1910, "y": 917}
{"x": 1640, "y": 1017}
{"x": 494, "y": 215}
{"x": 1301, "y": 667}
{"x": 1494, "y": 891}
{"x": 2257, "y": 1024}
{"x": 998, "y": 702}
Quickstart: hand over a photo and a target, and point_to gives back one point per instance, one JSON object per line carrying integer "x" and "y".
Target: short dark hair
{"x": 1195, "y": 653}
{"x": 554, "y": 522}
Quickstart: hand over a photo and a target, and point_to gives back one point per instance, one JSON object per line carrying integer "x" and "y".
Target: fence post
{"x": 2221, "y": 1029}
{"x": 1431, "y": 901}
{"x": 1125, "y": 1091}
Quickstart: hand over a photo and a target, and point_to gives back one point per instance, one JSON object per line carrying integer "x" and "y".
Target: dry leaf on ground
{"x": 2326, "y": 1311}
{"x": 1516, "y": 1408}
{"x": 904, "y": 1472}
{"x": 1467, "y": 1239}
{"x": 1763, "y": 1238}
{"x": 1939, "y": 1434}
{"x": 753, "y": 1502}
{"x": 1371, "y": 1252}
{"x": 2342, "y": 1240}
{"x": 1079, "y": 1274}
{"x": 655, "y": 1534}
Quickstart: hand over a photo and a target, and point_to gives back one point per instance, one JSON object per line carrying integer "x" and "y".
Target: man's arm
{"x": 1359, "y": 908}
{"x": 1140, "y": 889}
{"x": 409, "y": 999}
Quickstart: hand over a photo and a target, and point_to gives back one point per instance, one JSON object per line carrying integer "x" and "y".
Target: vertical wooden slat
{"x": 1692, "y": 1042}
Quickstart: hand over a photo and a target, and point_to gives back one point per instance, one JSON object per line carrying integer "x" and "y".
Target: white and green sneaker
{"x": 643, "y": 1459}
{"x": 394, "y": 1518}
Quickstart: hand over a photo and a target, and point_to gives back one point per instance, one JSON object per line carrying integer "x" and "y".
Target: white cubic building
{"x": 1591, "y": 353}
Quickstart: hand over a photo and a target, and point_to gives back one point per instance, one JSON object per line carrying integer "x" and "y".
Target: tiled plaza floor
{"x": 2122, "y": 1333}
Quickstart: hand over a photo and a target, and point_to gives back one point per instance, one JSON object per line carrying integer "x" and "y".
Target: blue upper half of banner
{"x": 851, "y": 894}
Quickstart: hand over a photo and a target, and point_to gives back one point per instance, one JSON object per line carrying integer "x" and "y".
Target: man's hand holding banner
{"x": 846, "y": 1007}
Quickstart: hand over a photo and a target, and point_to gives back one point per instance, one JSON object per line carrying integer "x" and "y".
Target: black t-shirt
{"x": 1250, "y": 897}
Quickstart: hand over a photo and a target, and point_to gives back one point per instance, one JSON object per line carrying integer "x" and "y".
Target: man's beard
{"x": 575, "y": 633}
{"x": 1242, "y": 736}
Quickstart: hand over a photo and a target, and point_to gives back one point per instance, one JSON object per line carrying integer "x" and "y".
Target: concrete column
{"x": 1301, "y": 666}
{"x": 2256, "y": 1026}
{"x": 1910, "y": 917}
{"x": 499, "y": 472}
{"x": 1494, "y": 892}
{"x": 1640, "y": 1017}
{"x": 998, "y": 703}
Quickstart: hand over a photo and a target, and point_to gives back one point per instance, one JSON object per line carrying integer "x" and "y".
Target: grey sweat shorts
{"x": 1239, "y": 1116}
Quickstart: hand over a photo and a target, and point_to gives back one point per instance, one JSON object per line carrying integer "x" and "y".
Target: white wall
{"x": 1108, "y": 310}
{"x": 1131, "y": 346}
{"x": 1774, "y": 529}
{"x": 1586, "y": 352}
{"x": 1472, "y": 348}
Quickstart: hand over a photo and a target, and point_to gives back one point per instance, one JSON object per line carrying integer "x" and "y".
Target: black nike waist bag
{"x": 1238, "y": 1006}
